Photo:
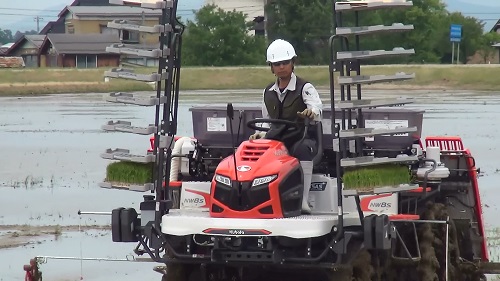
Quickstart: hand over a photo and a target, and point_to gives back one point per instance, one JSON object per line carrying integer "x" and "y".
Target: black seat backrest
{"x": 316, "y": 132}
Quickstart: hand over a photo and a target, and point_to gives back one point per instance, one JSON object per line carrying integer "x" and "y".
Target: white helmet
{"x": 280, "y": 50}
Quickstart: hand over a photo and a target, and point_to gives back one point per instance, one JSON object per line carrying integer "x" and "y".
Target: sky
{"x": 20, "y": 14}
{"x": 485, "y": 10}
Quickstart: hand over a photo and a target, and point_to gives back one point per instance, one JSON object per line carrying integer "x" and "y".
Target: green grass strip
{"x": 40, "y": 81}
{"x": 370, "y": 177}
{"x": 129, "y": 172}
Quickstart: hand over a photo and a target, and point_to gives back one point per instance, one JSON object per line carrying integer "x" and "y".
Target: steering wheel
{"x": 252, "y": 124}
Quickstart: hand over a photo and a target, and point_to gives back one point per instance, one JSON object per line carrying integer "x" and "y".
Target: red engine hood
{"x": 257, "y": 158}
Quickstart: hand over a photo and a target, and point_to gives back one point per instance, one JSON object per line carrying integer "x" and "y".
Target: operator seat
{"x": 315, "y": 132}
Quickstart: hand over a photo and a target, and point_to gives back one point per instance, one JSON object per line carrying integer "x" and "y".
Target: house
{"x": 91, "y": 17}
{"x": 57, "y": 26}
{"x": 94, "y": 20}
{"x": 5, "y": 48}
{"x": 3, "y": 51}
{"x": 496, "y": 27}
{"x": 495, "y": 58}
{"x": 91, "y": 3}
{"x": 27, "y": 47}
{"x": 497, "y": 54}
{"x": 78, "y": 50}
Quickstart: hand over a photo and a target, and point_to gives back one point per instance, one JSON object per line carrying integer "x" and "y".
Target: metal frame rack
{"x": 166, "y": 104}
{"x": 348, "y": 137}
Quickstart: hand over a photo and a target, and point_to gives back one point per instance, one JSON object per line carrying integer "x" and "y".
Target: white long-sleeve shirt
{"x": 309, "y": 94}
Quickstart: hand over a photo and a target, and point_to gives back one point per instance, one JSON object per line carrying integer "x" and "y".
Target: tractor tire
{"x": 361, "y": 269}
{"x": 428, "y": 267}
{"x": 384, "y": 268}
{"x": 456, "y": 271}
{"x": 452, "y": 254}
{"x": 177, "y": 272}
{"x": 343, "y": 274}
{"x": 432, "y": 265}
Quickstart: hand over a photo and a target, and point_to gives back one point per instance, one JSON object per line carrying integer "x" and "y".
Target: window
{"x": 141, "y": 61}
{"x": 86, "y": 61}
{"x": 130, "y": 36}
{"x": 31, "y": 60}
{"x": 70, "y": 28}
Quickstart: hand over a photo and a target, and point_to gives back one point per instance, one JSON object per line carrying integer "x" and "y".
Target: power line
{"x": 481, "y": 13}
{"x": 12, "y": 14}
{"x": 179, "y": 10}
{"x": 235, "y": 7}
{"x": 37, "y": 10}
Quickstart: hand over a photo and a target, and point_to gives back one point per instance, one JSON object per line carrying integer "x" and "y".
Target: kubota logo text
{"x": 236, "y": 232}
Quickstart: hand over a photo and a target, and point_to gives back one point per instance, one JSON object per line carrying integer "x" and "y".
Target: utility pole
{"x": 38, "y": 19}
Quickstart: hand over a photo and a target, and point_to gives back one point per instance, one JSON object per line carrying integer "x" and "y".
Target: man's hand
{"x": 259, "y": 135}
{"x": 307, "y": 113}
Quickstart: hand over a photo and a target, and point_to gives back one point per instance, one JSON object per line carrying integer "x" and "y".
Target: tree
{"x": 20, "y": 34}
{"x": 486, "y": 49}
{"x": 427, "y": 18}
{"x": 220, "y": 38}
{"x": 307, "y": 24}
{"x": 472, "y": 30}
{"x": 6, "y": 36}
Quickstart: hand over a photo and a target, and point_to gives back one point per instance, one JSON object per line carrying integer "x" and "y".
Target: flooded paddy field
{"x": 50, "y": 167}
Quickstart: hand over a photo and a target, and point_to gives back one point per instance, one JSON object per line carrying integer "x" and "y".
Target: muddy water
{"x": 85, "y": 244}
{"x": 50, "y": 167}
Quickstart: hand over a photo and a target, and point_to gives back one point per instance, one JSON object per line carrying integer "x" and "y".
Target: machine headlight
{"x": 263, "y": 180}
{"x": 222, "y": 179}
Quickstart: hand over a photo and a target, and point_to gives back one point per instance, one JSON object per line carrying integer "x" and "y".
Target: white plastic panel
{"x": 186, "y": 222}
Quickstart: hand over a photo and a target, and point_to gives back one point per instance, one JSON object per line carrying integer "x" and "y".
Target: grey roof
{"x": 496, "y": 26}
{"x": 82, "y": 43}
{"x": 37, "y": 40}
{"x": 91, "y": 3}
{"x": 111, "y": 11}
{"x": 54, "y": 27}
{"x": 3, "y": 51}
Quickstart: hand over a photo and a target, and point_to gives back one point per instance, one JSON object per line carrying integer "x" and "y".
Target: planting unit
{"x": 166, "y": 80}
{"x": 354, "y": 143}
{"x": 227, "y": 208}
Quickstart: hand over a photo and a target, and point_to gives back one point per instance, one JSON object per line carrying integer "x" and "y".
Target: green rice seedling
{"x": 129, "y": 173}
{"x": 368, "y": 178}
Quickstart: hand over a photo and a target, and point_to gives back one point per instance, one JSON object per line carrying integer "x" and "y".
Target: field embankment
{"x": 50, "y": 81}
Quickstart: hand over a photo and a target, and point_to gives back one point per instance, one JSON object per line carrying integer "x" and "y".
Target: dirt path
{"x": 12, "y": 236}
